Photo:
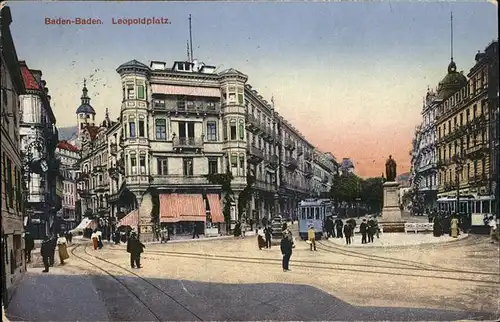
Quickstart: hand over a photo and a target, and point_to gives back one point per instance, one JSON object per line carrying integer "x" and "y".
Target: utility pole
{"x": 190, "y": 39}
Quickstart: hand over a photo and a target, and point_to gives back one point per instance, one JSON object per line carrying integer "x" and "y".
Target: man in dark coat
{"x": 135, "y": 248}
{"x": 330, "y": 231}
{"x": 363, "y": 228}
{"x": 339, "y": 225}
{"x": 268, "y": 232}
{"x": 29, "y": 245}
{"x": 371, "y": 229}
{"x": 195, "y": 230}
{"x": 46, "y": 250}
{"x": 53, "y": 245}
{"x": 286, "y": 251}
{"x": 348, "y": 233}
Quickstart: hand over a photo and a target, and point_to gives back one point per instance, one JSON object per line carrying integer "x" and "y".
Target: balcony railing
{"x": 300, "y": 150}
{"x": 194, "y": 107}
{"x": 478, "y": 178}
{"x": 252, "y": 124}
{"x": 289, "y": 144}
{"x": 273, "y": 162}
{"x": 291, "y": 163}
{"x": 256, "y": 155}
{"x": 308, "y": 156}
{"x": 187, "y": 143}
{"x": 477, "y": 148}
{"x": 308, "y": 173}
{"x": 180, "y": 180}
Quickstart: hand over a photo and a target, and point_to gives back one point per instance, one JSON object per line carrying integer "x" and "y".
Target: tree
{"x": 372, "y": 193}
{"x": 345, "y": 188}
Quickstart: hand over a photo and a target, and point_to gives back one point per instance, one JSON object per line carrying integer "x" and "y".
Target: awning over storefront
{"x": 86, "y": 223}
{"x": 185, "y": 90}
{"x": 182, "y": 207}
{"x": 132, "y": 219}
{"x": 215, "y": 208}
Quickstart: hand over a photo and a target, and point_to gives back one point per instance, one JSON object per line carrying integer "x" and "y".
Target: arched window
{"x": 242, "y": 130}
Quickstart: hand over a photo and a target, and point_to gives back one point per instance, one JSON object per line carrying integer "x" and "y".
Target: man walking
{"x": 286, "y": 250}
{"x": 46, "y": 250}
{"x": 268, "y": 232}
{"x": 29, "y": 245}
{"x": 135, "y": 248}
{"x": 339, "y": 225}
{"x": 363, "y": 230}
{"x": 311, "y": 235}
{"x": 371, "y": 229}
{"x": 347, "y": 233}
{"x": 53, "y": 245}
{"x": 493, "y": 228}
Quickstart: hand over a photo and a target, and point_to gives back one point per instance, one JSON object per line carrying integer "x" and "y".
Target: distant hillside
{"x": 66, "y": 133}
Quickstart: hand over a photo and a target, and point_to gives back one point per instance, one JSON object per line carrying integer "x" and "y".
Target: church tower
{"x": 85, "y": 113}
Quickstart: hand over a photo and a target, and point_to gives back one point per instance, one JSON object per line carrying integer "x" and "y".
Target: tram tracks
{"x": 115, "y": 276}
{"x": 446, "y": 274}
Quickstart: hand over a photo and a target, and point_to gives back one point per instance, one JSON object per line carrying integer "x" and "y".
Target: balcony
{"x": 180, "y": 143}
{"x": 478, "y": 179}
{"x": 179, "y": 180}
{"x": 324, "y": 180}
{"x": 102, "y": 187}
{"x": 190, "y": 107}
{"x": 477, "y": 150}
{"x": 82, "y": 176}
{"x": 289, "y": 144}
{"x": 273, "y": 162}
{"x": 251, "y": 123}
{"x": 268, "y": 133}
{"x": 291, "y": 164}
{"x": 300, "y": 151}
{"x": 113, "y": 149}
{"x": 308, "y": 156}
{"x": 255, "y": 155}
{"x": 308, "y": 173}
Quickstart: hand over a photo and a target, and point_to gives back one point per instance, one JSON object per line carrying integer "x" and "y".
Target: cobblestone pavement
{"x": 233, "y": 280}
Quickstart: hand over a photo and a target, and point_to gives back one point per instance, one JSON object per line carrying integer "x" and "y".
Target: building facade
{"x": 179, "y": 125}
{"x": 464, "y": 152}
{"x": 12, "y": 85}
{"x": 424, "y": 171}
{"x": 39, "y": 139}
{"x": 69, "y": 156}
{"x": 324, "y": 168}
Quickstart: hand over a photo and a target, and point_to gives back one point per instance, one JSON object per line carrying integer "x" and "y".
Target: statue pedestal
{"x": 392, "y": 221}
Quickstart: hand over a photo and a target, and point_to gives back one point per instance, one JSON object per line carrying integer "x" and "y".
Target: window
{"x": 240, "y": 96}
{"x": 483, "y": 166}
{"x": 475, "y": 167}
{"x": 211, "y": 131}
{"x": 232, "y": 95}
{"x": 211, "y": 106}
{"x": 131, "y": 127}
{"x": 141, "y": 127}
{"x": 162, "y": 166}
{"x": 133, "y": 163}
{"x": 187, "y": 166}
{"x": 181, "y": 103}
{"x": 140, "y": 92}
{"x": 161, "y": 129}
{"x": 130, "y": 93}
{"x": 213, "y": 166}
{"x": 474, "y": 111}
{"x": 234, "y": 160}
{"x": 190, "y": 104}
{"x": 224, "y": 130}
{"x": 242, "y": 164}
{"x": 461, "y": 119}
{"x": 233, "y": 129}
{"x": 10, "y": 190}
{"x": 242, "y": 130}
{"x": 159, "y": 103}
{"x": 142, "y": 164}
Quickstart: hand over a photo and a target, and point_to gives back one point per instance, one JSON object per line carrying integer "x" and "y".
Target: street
{"x": 233, "y": 280}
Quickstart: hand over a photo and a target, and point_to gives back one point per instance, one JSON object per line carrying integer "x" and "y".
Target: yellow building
{"x": 463, "y": 141}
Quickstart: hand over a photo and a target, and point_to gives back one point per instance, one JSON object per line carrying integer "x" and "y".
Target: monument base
{"x": 392, "y": 220}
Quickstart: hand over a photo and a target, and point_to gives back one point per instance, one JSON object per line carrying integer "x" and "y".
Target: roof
{"x": 133, "y": 63}
{"x": 85, "y": 108}
{"x": 29, "y": 79}
{"x": 232, "y": 71}
{"x": 65, "y": 145}
{"x": 93, "y": 130}
{"x": 452, "y": 82}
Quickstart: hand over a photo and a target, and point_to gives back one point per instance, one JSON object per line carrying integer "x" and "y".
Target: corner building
{"x": 176, "y": 126}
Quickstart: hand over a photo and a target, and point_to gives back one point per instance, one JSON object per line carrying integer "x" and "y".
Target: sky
{"x": 349, "y": 76}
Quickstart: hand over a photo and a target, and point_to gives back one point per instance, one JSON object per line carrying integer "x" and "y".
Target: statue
{"x": 390, "y": 169}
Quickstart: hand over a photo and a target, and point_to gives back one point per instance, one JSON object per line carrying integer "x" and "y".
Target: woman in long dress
{"x": 95, "y": 240}
{"x": 454, "y": 227}
{"x": 62, "y": 248}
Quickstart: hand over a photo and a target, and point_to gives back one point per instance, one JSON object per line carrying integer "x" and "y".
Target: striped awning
{"x": 182, "y": 207}
{"x": 185, "y": 90}
{"x": 132, "y": 219}
{"x": 215, "y": 208}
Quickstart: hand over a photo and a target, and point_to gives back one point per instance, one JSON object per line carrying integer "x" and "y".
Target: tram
{"x": 313, "y": 212}
{"x": 480, "y": 208}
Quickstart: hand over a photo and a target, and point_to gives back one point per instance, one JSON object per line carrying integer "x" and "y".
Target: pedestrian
{"x": 454, "y": 227}
{"x": 135, "y": 248}
{"x": 339, "y": 224}
{"x": 376, "y": 226}
{"x": 99, "y": 239}
{"x": 195, "y": 230}
{"x": 95, "y": 239}
{"x": 70, "y": 237}
{"x": 330, "y": 232}
{"x": 363, "y": 228}
{"x": 62, "y": 248}
{"x": 311, "y": 236}
{"x": 260, "y": 240}
{"x": 286, "y": 251}
{"x": 371, "y": 229}
{"x": 45, "y": 250}
{"x": 243, "y": 228}
{"x": 53, "y": 245}
{"x": 493, "y": 228}
{"x": 268, "y": 232}
{"x": 29, "y": 245}
{"x": 348, "y": 233}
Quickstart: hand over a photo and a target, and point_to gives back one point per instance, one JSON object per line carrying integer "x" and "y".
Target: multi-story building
{"x": 324, "y": 168}
{"x": 39, "y": 139}
{"x": 69, "y": 156}
{"x": 12, "y": 85}
{"x": 179, "y": 125}
{"x": 423, "y": 177}
{"x": 463, "y": 125}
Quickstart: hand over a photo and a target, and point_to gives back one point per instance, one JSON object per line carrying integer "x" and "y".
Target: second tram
{"x": 313, "y": 212}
